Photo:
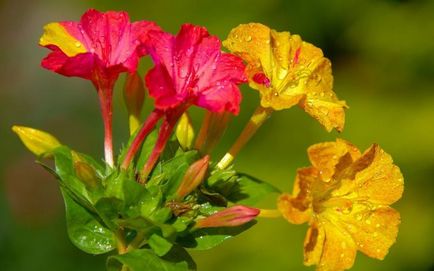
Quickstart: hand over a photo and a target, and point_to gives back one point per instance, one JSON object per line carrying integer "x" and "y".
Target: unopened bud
{"x": 86, "y": 174}
{"x": 38, "y": 142}
{"x": 231, "y": 217}
{"x": 185, "y": 132}
{"x": 193, "y": 177}
{"x": 134, "y": 96}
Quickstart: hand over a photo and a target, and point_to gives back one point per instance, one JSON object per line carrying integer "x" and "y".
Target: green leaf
{"x": 85, "y": 231}
{"x": 146, "y": 260}
{"x": 159, "y": 244}
{"x": 208, "y": 238}
{"x": 240, "y": 188}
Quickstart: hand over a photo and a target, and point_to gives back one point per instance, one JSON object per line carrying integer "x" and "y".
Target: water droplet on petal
{"x": 248, "y": 38}
{"x": 77, "y": 44}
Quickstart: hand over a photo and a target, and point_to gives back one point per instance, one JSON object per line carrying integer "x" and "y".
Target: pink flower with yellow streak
{"x": 345, "y": 197}
{"x": 97, "y": 48}
{"x": 191, "y": 69}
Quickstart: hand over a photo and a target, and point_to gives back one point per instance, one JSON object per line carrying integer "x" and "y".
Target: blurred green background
{"x": 383, "y": 59}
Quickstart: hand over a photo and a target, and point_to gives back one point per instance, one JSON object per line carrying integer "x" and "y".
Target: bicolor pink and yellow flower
{"x": 98, "y": 48}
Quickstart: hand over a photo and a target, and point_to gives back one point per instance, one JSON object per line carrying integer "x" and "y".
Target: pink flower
{"x": 97, "y": 48}
{"x": 191, "y": 69}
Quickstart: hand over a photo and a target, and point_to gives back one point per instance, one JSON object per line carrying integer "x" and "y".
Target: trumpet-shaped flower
{"x": 345, "y": 197}
{"x": 191, "y": 69}
{"x": 98, "y": 48}
{"x": 288, "y": 71}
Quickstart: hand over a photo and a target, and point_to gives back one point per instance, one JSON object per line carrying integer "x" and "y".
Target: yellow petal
{"x": 325, "y": 156}
{"x": 313, "y": 244}
{"x": 338, "y": 251}
{"x": 297, "y": 209}
{"x": 56, "y": 34}
{"x": 38, "y": 142}
{"x": 374, "y": 230}
{"x": 320, "y": 101}
{"x": 293, "y": 209}
{"x": 381, "y": 181}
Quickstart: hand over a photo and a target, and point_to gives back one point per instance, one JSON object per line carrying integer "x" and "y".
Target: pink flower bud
{"x": 231, "y": 217}
{"x": 193, "y": 177}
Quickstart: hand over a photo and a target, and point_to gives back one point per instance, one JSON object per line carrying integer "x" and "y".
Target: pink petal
{"x": 198, "y": 71}
{"x": 80, "y": 65}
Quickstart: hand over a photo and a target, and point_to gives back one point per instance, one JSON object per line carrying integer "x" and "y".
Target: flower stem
{"x": 270, "y": 213}
{"x": 260, "y": 115}
{"x": 105, "y": 98}
{"x": 147, "y": 127}
{"x": 163, "y": 137}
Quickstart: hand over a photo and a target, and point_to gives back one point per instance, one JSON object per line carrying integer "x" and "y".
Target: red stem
{"x": 147, "y": 127}
{"x": 163, "y": 136}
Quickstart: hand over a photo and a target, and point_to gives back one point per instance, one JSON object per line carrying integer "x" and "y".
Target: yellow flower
{"x": 288, "y": 71}
{"x": 345, "y": 197}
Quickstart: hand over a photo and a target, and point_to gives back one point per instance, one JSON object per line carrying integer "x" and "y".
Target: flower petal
{"x": 381, "y": 181}
{"x": 109, "y": 38}
{"x": 373, "y": 230}
{"x": 338, "y": 251}
{"x": 325, "y": 156}
{"x": 297, "y": 209}
{"x": 320, "y": 101}
{"x": 198, "y": 71}
{"x": 55, "y": 34}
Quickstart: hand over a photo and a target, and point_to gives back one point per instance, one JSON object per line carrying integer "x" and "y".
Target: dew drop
{"x": 276, "y": 93}
{"x": 248, "y": 38}
{"x": 77, "y": 44}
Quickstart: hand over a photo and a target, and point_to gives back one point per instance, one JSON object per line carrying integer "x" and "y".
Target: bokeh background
{"x": 383, "y": 59}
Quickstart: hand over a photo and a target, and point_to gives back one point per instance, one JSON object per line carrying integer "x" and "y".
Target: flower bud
{"x": 231, "y": 217}
{"x": 134, "y": 96}
{"x": 193, "y": 177}
{"x": 38, "y": 142}
{"x": 185, "y": 132}
{"x": 86, "y": 174}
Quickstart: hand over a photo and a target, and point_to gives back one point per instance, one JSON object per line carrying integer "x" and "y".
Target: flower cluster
{"x": 162, "y": 194}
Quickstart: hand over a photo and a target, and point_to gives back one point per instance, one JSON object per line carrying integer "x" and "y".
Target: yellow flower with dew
{"x": 286, "y": 71}
{"x": 345, "y": 198}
